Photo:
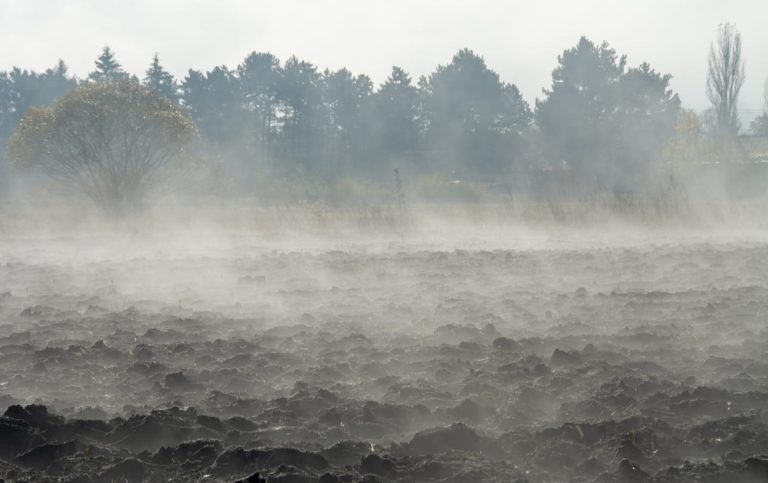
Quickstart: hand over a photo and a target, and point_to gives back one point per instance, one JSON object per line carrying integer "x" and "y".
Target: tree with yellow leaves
{"x": 112, "y": 141}
{"x": 687, "y": 144}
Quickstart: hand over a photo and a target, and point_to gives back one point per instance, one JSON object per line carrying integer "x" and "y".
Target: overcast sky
{"x": 519, "y": 39}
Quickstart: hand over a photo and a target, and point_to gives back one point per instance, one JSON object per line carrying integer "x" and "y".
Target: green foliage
{"x": 607, "y": 123}
{"x": 21, "y": 90}
{"x": 107, "y": 68}
{"x": 161, "y": 81}
{"x": 213, "y": 101}
{"x": 471, "y": 113}
{"x": 347, "y": 99}
{"x": 396, "y": 114}
{"x": 259, "y": 77}
{"x": 600, "y": 120}
{"x": 759, "y": 125}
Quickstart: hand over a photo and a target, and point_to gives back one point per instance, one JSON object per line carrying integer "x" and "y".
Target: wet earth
{"x": 231, "y": 360}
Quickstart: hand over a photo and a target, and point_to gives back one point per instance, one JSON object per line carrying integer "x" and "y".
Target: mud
{"x": 163, "y": 360}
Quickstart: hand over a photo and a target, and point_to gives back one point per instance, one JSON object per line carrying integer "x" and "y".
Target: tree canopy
{"x": 759, "y": 125}
{"x": 472, "y": 114}
{"x": 160, "y": 80}
{"x": 109, "y": 140}
{"x": 107, "y": 68}
{"x": 604, "y": 121}
{"x": 396, "y": 115}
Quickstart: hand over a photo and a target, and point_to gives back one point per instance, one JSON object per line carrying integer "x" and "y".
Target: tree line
{"x": 605, "y": 122}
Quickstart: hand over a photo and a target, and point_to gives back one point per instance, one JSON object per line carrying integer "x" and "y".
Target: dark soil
{"x": 643, "y": 363}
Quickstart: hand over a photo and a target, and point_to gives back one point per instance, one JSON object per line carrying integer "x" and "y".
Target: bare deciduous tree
{"x": 725, "y": 77}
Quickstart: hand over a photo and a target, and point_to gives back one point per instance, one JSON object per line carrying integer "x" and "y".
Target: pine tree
{"x": 107, "y": 68}
{"x": 396, "y": 113}
{"x": 161, "y": 81}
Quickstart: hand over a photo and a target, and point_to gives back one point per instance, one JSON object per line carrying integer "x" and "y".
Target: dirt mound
{"x": 458, "y": 436}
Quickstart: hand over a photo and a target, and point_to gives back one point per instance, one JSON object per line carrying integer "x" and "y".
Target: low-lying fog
{"x": 488, "y": 352}
{"x": 278, "y": 271}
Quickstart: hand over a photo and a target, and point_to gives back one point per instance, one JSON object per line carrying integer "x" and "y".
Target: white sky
{"x": 519, "y": 39}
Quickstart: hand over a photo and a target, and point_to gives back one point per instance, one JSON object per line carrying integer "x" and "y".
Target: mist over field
{"x": 276, "y": 270}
